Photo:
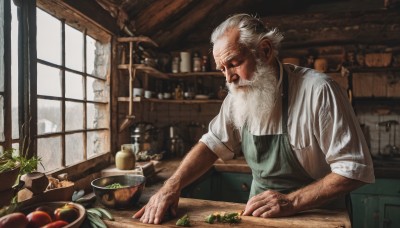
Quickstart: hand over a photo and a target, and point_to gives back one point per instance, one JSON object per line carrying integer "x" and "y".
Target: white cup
{"x": 147, "y": 94}
{"x": 167, "y": 95}
{"x": 137, "y": 92}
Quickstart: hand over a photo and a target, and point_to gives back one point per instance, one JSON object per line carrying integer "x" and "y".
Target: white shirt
{"x": 323, "y": 130}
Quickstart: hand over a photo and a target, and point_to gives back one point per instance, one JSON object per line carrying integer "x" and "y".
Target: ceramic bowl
{"x": 56, "y": 204}
{"x": 119, "y": 198}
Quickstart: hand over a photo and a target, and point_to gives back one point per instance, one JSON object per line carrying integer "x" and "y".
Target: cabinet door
{"x": 365, "y": 210}
{"x": 235, "y": 187}
{"x": 389, "y": 212}
{"x": 200, "y": 189}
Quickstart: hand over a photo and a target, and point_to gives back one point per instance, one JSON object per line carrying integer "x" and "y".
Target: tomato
{"x": 14, "y": 220}
{"x": 66, "y": 213}
{"x": 46, "y": 209}
{"x": 38, "y": 219}
{"x": 56, "y": 224}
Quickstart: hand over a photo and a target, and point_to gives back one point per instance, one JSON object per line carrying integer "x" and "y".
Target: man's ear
{"x": 266, "y": 48}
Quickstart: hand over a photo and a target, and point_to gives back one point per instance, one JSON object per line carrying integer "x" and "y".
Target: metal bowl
{"x": 119, "y": 198}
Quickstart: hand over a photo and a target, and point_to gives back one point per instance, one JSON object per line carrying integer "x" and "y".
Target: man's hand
{"x": 166, "y": 198}
{"x": 269, "y": 204}
{"x": 195, "y": 164}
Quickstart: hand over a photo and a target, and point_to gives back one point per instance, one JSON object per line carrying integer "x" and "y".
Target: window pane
{"x": 73, "y": 86}
{"x": 90, "y": 55}
{"x": 73, "y": 148}
{"x": 97, "y": 116}
{"x": 49, "y": 116}
{"x": 48, "y": 37}
{"x": 73, "y": 48}
{"x": 48, "y": 81}
{"x": 73, "y": 116}
{"x": 97, "y": 143}
{"x": 96, "y": 90}
{"x": 14, "y": 72}
{"x": 49, "y": 150}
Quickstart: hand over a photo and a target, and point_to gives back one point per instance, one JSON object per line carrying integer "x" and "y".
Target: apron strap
{"x": 285, "y": 100}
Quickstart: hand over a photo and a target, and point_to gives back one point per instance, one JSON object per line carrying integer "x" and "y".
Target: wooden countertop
{"x": 197, "y": 210}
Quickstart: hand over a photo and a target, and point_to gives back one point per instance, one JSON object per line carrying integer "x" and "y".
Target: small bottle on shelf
{"x": 204, "y": 64}
{"x": 196, "y": 62}
{"x": 178, "y": 93}
{"x": 175, "y": 65}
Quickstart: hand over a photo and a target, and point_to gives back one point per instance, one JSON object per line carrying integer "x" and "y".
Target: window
{"x": 72, "y": 94}
{"x": 70, "y": 102}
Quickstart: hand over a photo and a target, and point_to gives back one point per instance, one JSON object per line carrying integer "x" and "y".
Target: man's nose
{"x": 230, "y": 75}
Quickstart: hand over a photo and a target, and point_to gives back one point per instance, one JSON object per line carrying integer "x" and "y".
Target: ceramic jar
{"x": 125, "y": 158}
{"x": 185, "y": 64}
{"x": 321, "y": 65}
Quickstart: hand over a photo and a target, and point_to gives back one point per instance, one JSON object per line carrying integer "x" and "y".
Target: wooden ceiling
{"x": 178, "y": 23}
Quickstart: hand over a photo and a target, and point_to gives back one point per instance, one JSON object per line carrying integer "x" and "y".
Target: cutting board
{"x": 197, "y": 210}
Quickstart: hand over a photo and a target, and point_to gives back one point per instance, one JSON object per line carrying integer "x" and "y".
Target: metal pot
{"x": 146, "y": 137}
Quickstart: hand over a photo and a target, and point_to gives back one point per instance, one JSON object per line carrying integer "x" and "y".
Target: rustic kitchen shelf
{"x": 373, "y": 69}
{"x": 192, "y": 74}
{"x": 146, "y": 69}
{"x": 154, "y": 100}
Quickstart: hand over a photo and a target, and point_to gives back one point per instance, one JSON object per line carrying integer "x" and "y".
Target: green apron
{"x": 271, "y": 158}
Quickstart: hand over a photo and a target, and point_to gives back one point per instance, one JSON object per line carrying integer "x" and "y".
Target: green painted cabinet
{"x": 233, "y": 187}
{"x": 377, "y": 205}
{"x": 220, "y": 186}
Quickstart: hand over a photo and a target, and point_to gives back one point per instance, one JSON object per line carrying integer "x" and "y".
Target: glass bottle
{"x": 178, "y": 93}
{"x": 175, "y": 65}
{"x": 196, "y": 62}
{"x": 204, "y": 64}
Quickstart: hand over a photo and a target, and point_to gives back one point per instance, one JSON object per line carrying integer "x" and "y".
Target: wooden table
{"x": 197, "y": 210}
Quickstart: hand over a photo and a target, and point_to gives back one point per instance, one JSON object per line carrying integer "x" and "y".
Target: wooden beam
{"x": 175, "y": 31}
{"x": 363, "y": 27}
{"x": 155, "y": 16}
{"x": 83, "y": 15}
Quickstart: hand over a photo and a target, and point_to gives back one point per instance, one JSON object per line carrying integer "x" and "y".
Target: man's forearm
{"x": 322, "y": 191}
{"x": 199, "y": 159}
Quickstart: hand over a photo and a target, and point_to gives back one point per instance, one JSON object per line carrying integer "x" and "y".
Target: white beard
{"x": 252, "y": 105}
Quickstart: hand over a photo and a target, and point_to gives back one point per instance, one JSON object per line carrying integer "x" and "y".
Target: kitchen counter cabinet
{"x": 377, "y": 204}
{"x": 197, "y": 210}
{"x": 374, "y": 205}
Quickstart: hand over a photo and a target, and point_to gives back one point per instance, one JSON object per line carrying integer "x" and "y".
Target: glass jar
{"x": 175, "y": 65}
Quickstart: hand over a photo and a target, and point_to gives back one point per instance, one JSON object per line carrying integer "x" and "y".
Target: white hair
{"x": 252, "y": 30}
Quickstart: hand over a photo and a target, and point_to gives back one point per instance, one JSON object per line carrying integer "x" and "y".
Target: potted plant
{"x": 12, "y": 167}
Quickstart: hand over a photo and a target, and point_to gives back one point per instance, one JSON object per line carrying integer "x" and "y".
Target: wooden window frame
{"x": 28, "y": 104}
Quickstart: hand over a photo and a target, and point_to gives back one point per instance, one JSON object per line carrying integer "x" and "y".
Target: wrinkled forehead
{"x": 227, "y": 41}
{"x": 227, "y": 47}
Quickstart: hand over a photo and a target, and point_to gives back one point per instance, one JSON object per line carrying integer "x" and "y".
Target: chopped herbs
{"x": 116, "y": 185}
{"x": 223, "y": 218}
{"x": 184, "y": 221}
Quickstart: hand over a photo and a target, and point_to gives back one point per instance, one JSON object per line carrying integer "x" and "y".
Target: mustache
{"x": 240, "y": 83}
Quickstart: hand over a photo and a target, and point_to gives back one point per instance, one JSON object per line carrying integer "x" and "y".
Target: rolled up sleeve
{"x": 340, "y": 136}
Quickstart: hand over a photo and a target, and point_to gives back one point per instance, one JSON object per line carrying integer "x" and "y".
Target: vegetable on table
{"x": 223, "y": 217}
{"x": 184, "y": 221}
